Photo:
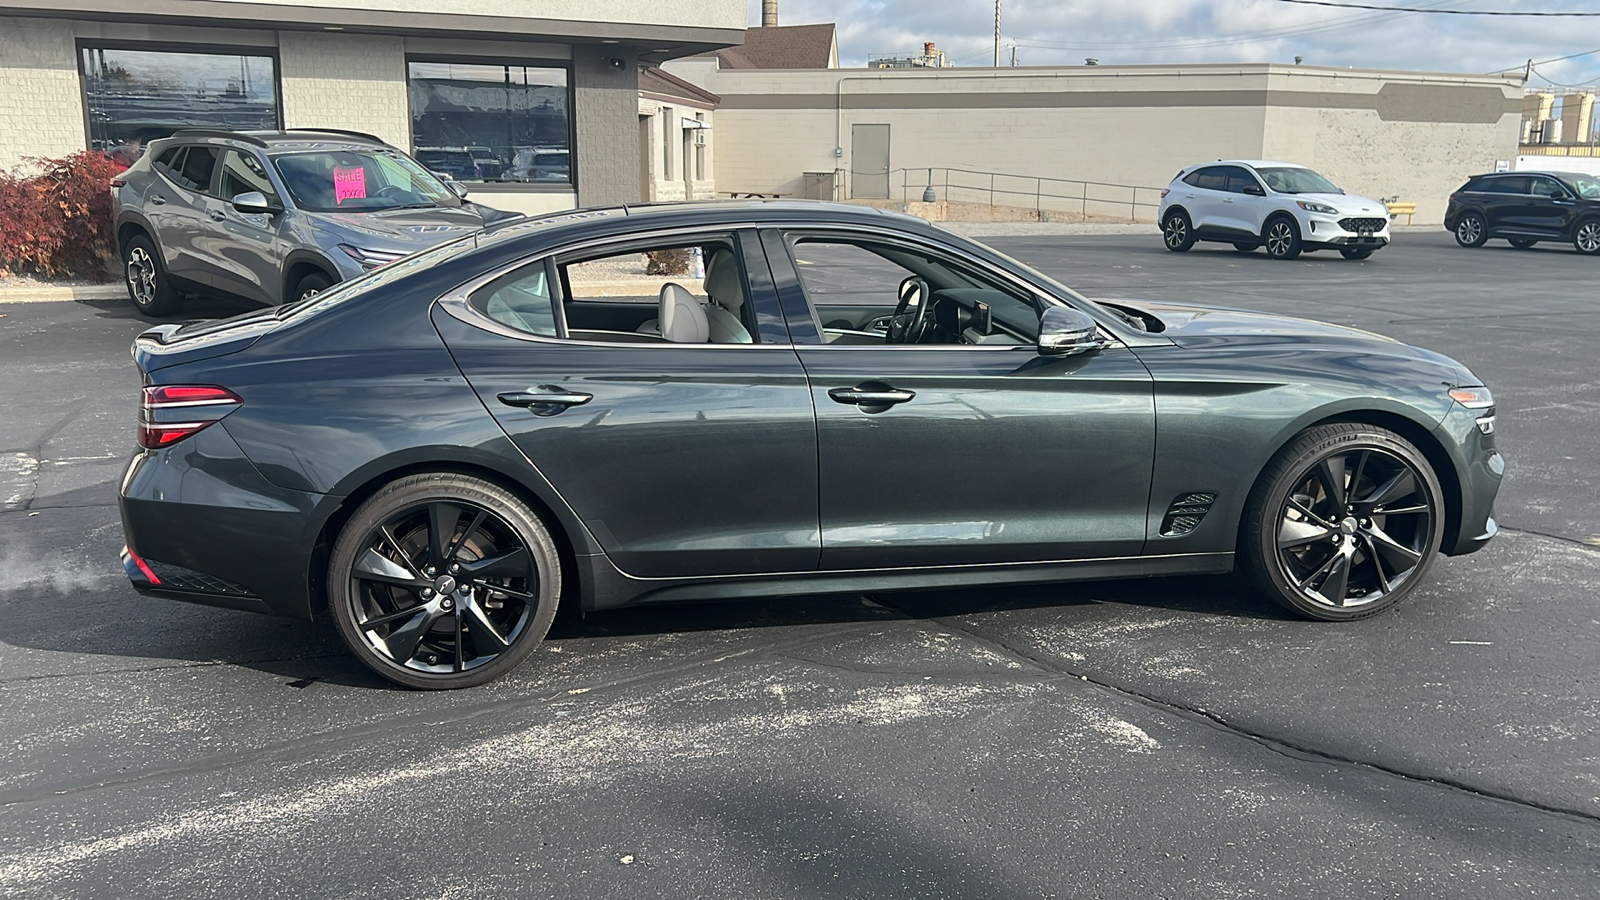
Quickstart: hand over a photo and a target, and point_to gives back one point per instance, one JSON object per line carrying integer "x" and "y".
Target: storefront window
{"x": 476, "y": 122}
{"x": 135, "y": 96}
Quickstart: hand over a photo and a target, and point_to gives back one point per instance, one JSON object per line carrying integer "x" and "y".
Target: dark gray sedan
{"x": 823, "y": 398}
{"x": 270, "y": 217}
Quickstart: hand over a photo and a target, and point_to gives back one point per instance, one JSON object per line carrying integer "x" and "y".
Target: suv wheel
{"x": 1282, "y": 238}
{"x": 1587, "y": 238}
{"x": 147, "y": 283}
{"x": 309, "y": 286}
{"x": 1176, "y": 231}
{"x": 1471, "y": 231}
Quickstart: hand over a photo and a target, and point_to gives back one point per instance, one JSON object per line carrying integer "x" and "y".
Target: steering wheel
{"x": 909, "y": 324}
{"x": 391, "y": 190}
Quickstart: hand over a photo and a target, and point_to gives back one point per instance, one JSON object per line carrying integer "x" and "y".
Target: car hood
{"x": 405, "y": 230}
{"x": 1346, "y": 204}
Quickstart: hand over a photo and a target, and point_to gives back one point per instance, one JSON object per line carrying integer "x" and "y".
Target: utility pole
{"x": 997, "y": 34}
{"x": 1013, "y": 56}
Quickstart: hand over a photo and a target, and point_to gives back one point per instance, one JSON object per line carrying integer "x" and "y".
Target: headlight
{"x": 371, "y": 259}
{"x": 1473, "y": 396}
{"x": 1313, "y": 206}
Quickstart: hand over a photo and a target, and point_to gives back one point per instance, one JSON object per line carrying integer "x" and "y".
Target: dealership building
{"x": 534, "y": 107}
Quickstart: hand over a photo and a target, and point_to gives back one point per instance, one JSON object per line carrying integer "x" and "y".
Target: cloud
{"x": 1052, "y": 32}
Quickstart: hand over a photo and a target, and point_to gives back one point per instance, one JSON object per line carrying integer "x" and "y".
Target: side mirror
{"x": 457, "y": 188}
{"x": 254, "y": 203}
{"x": 1064, "y": 331}
{"x": 1254, "y": 190}
{"x": 1557, "y": 194}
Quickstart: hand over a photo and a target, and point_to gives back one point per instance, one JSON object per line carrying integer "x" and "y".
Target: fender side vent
{"x": 1185, "y": 513}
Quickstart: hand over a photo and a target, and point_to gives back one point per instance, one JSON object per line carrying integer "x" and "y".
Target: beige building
{"x": 1084, "y": 138}
{"x": 675, "y": 128}
{"x": 533, "y": 107}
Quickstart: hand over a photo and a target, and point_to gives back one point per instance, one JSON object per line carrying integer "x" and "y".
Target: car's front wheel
{"x": 152, "y": 294}
{"x": 1471, "y": 230}
{"x": 1343, "y": 523}
{"x": 1586, "y": 239}
{"x": 1282, "y": 237}
{"x": 309, "y": 286}
{"x": 1176, "y": 231}
{"x": 443, "y": 581}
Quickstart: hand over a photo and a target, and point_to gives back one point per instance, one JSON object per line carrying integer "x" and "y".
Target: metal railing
{"x": 1041, "y": 194}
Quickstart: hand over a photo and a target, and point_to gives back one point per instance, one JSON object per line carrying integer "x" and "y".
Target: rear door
{"x": 683, "y": 458}
{"x": 1505, "y": 203}
{"x": 183, "y": 222}
{"x": 1206, "y": 189}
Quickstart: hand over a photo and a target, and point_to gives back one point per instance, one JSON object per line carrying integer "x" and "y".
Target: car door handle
{"x": 157, "y": 199}
{"x": 1227, "y": 199}
{"x": 545, "y": 400}
{"x": 216, "y": 215}
{"x": 870, "y": 397}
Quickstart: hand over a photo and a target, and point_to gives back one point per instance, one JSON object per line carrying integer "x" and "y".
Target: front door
{"x": 248, "y": 260}
{"x": 684, "y": 451}
{"x": 967, "y": 446}
{"x": 869, "y": 162}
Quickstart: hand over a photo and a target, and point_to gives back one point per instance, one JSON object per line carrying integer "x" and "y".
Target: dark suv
{"x": 274, "y": 216}
{"x": 1526, "y": 208}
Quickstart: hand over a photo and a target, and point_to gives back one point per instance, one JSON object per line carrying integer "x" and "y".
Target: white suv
{"x": 1281, "y": 206}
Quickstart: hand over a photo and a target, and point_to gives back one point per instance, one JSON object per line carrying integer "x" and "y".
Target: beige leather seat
{"x": 725, "y": 289}
{"x": 681, "y": 316}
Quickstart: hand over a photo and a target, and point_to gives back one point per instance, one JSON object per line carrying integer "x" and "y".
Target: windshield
{"x": 360, "y": 181}
{"x": 1587, "y": 186}
{"x": 1297, "y": 181}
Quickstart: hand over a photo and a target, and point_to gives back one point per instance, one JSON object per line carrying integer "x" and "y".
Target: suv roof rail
{"x": 219, "y": 133}
{"x": 355, "y": 134}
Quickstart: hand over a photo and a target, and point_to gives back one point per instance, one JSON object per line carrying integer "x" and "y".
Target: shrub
{"x": 668, "y": 262}
{"x": 58, "y": 221}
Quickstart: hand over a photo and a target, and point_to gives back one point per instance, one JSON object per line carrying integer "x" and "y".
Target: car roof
{"x": 283, "y": 139}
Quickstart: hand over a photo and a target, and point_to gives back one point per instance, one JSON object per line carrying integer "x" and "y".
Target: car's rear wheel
{"x": 1356, "y": 253}
{"x": 1243, "y": 247}
{"x": 1587, "y": 238}
{"x": 1343, "y": 523}
{"x": 1471, "y": 230}
{"x": 443, "y": 581}
{"x": 1176, "y": 231}
{"x": 1521, "y": 243}
{"x": 309, "y": 286}
{"x": 146, "y": 279}
{"x": 1282, "y": 237}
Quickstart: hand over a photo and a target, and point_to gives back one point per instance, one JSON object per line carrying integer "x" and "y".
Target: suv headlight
{"x": 1314, "y": 206}
{"x": 1474, "y": 396}
{"x": 371, "y": 259}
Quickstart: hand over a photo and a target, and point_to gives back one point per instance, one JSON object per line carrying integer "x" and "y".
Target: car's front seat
{"x": 726, "y": 291}
{"x": 681, "y": 316}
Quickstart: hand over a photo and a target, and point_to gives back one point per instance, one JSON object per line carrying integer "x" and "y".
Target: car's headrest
{"x": 722, "y": 281}
{"x": 682, "y": 318}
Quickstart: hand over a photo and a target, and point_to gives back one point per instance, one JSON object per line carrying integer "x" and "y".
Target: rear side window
{"x": 170, "y": 162}
{"x": 521, "y": 300}
{"x": 1508, "y": 184}
{"x": 195, "y": 173}
{"x": 1212, "y": 178}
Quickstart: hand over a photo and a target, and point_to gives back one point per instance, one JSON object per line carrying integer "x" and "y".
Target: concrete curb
{"x": 49, "y": 293}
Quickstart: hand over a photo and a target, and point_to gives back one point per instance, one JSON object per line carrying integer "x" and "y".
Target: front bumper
{"x": 1468, "y": 435}
{"x": 1324, "y": 230}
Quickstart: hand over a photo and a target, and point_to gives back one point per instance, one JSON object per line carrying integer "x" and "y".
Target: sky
{"x": 1064, "y": 32}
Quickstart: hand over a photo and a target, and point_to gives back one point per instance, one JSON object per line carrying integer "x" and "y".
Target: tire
{"x": 309, "y": 286}
{"x": 1471, "y": 230}
{"x": 1521, "y": 243}
{"x": 1356, "y": 254}
{"x": 1351, "y": 492}
{"x": 1245, "y": 248}
{"x": 1176, "y": 231}
{"x": 1282, "y": 238}
{"x": 146, "y": 279}
{"x": 1586, "y": 239}
{"x": 396, "y": 601}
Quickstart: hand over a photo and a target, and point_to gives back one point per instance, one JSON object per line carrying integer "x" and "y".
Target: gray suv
{"x": 275, "y": 216}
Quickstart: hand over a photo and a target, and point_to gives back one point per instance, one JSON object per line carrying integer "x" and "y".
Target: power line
{"x": 1532, "y": 63}
{"x": 1444, "y": 12}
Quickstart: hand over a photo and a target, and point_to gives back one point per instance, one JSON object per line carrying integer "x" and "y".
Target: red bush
{"x": 58, "y": 221}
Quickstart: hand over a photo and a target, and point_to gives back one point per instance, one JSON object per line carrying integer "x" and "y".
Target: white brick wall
{"x": 41, "y": 100}
{"x": 349, "y": 81}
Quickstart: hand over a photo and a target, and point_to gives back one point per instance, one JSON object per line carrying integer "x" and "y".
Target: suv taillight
{"x": 171, "y": 412}
{"x": 1164, "y": 193}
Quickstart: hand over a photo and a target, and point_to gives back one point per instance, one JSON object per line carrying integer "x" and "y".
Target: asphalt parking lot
{"x": 1163, "y": 738}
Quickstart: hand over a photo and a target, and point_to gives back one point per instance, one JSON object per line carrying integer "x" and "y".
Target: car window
{"x": 360, "y": 181}
{"x": 1587, "y": 186}
{"x": 1211, "y": 178}
{"x": 170, "y": 162}
{"x": 853, "y": 286}
{"x": 1240, "y": 181}
{"x": 1295, "y": 180}
{"x": 242, "y": 173}
{"x": 521, "y": 300}
{"x": 1509, "y": 184}
{"x": 1545, "y": 186}
{"x": 195, "y": 173}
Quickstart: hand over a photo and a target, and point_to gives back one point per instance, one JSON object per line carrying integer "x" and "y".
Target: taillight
{"x": 1164, "y": 193}
{"x": 118, "y": 181}
{"x": 169, "y": 413}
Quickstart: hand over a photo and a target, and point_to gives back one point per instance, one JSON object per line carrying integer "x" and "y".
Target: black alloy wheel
{"x": 148, "y": 288}
{"x": 1521, "y": 243}
{"x": 443, "y": 581}
{"x": 1356, "y": 253}
{"x": 1344, "y": 522}
{"x": 1586, "y": 239}
{"x": 1282, "y": 238}
{"x": 310, "y": 285}
{"x": 1176, "y": 232}
{"x": 1471, "y": 231}
{"x": 1243, "y": 247}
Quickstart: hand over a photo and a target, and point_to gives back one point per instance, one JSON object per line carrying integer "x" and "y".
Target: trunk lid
{"x": 177, "y": 343}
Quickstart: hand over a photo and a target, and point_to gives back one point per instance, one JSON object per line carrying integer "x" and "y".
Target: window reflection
{"x": 135, "y": 96}
{"x": 476, "y": 122}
